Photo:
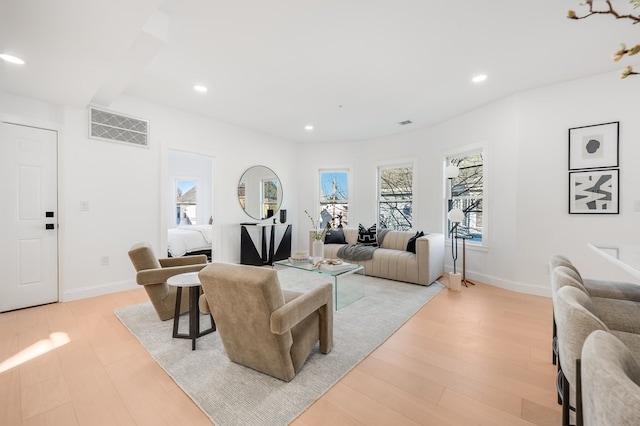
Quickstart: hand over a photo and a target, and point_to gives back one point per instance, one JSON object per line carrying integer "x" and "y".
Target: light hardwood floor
{"x": 478, "y": 357}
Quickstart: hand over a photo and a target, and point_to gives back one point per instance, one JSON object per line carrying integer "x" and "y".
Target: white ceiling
{"x": 352, "y": 68}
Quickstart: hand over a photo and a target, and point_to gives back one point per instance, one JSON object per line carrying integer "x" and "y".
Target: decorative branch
{"x": 617, "y": 55}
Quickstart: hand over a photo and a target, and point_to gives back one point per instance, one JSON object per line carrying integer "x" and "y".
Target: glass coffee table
{"x": 345, "y": 291}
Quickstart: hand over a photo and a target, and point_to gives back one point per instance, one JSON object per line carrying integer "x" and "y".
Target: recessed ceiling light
{"x": 308, "y": 127}
{"x": 10, "y": 58}
{"x": 201, "y": 89}
{"x": 479, "y": 78}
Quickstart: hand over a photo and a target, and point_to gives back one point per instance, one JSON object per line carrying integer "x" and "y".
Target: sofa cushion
{"x": 335, "y": 236}
{"x": 411, "y": 245}
{"x": 367, "y": 236}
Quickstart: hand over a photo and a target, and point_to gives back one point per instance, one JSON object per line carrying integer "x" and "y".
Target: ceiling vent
{"x": 108, "y": 126}
{"x": 405, "y": 122}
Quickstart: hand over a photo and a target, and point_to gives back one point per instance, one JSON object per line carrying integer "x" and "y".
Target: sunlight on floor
{"x": 41, "y": 347}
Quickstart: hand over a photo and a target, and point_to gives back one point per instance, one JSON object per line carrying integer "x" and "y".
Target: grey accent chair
{"x": 600, "y": 288}
{"x": 153, "y": 273}
{"x": 577, "y": 318}
{"x": 260, "y": 325}
{"x": 617, "y": 314}
{"x": 610, "y": 382}
{"x": 618, "y": 302}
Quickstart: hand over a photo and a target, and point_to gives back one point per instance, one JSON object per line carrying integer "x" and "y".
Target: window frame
{"x": 319, "y": 204}
{"x": 176, "y": 181}
{"x": 414, "y": 179}
{"x": 480, "y": 148}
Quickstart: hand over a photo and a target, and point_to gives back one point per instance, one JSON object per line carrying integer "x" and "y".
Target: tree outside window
{"x": 467, "y": 194}
{"x": 334, "y": 198}
{"x": 395, "y": 197}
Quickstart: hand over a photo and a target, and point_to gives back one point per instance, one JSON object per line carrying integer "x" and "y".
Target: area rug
{"x": 231, "y": 394}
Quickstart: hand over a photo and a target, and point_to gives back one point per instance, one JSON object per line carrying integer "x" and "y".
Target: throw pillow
{"x": 411, "y": 244}
{"x": 335, "y": 236}
{"x": 367, "y": 236}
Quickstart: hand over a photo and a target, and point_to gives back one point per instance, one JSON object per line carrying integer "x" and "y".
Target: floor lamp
{"x": 465, "y": 281}
{"x": 456, "y": 216}
{"x": 451, "y": 172}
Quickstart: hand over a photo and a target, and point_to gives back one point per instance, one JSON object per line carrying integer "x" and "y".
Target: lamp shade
{"x": 455, "y": 215}
{"x": 451, "y": 172}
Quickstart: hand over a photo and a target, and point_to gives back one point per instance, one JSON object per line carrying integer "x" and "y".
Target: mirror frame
{"x": 260, "y": 176}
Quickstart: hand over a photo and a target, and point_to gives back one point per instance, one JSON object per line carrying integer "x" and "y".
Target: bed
{"x": 189, "y": 240}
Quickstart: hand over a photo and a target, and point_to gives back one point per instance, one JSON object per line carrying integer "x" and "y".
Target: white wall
{"x": 525, "y": 136}
{"x": 527, "y": 181}
{"x": 126, "y": 185}
{"x": 544, "y": 226}
{"x": 494, "y": 126}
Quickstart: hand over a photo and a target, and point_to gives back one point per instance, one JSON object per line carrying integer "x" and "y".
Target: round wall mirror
{"x": 260, "y": 192}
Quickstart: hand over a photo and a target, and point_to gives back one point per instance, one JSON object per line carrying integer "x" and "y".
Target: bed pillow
{"x": 367, "y": 236}
{"x": 411, "y": 244}
{"x": 335, "y": 236}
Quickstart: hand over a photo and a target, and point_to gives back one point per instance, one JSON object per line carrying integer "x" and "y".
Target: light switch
{"x": 84, "y": 206}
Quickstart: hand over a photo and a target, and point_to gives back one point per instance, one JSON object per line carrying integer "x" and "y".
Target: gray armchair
{"x": 617, "y": 314}
{"x": 260, "y": 325}
{"x": 610, "y": 382}
{"x": 153, "y": 273}
{"x": 599, "y": 288}
{"x": 577, "y": 318}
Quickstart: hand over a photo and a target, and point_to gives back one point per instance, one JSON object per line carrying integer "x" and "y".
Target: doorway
{"x": 190, "y": 203}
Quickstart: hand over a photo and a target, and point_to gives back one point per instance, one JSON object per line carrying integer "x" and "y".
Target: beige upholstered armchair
{"x": 262, "y": 326}
{"x": 153, "y": 273}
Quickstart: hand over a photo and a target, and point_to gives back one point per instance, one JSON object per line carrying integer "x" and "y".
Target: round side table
{"x": 190, "y": 280}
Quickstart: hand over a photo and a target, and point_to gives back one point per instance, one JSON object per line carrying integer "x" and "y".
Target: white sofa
{"x": 391, "y": 260}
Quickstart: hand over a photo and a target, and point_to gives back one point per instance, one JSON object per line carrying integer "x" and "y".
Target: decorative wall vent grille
{"x": 108, "y": 126}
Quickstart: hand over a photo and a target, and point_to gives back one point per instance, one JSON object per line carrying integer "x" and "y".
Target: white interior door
{"x": 29, "y": 215}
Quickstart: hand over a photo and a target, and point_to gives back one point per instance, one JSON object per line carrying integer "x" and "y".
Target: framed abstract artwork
{"x": 595, "y": 192}
{"x": 594, "y": 147}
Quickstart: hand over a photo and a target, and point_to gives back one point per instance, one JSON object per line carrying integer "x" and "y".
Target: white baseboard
{"x": 97, "y": 290}
{"x": 524, "y": 288}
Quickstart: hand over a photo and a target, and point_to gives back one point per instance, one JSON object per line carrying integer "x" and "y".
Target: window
{"x": 269, "y": 197}
{"x": 334, "y": 198}
{"x": 186, "y": 202}
{"x": 395, "y": 197}
{"x": 467, "y": 194}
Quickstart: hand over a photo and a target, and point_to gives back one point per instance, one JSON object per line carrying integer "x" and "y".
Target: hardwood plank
{"x": 10, "y": 398}
{"x": 63, "y": 414}
{"x": 480, "y": 356}
{"x": 43, "y": 396}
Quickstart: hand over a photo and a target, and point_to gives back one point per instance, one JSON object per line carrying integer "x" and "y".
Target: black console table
{"x": 255, "y": 252}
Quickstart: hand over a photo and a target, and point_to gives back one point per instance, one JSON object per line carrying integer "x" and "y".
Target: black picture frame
{"x": 594, "y": 192}
{"x": 594, "y": 147}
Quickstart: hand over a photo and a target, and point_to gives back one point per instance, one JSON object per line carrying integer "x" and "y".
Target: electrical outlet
{"x": 104, "y": 260}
